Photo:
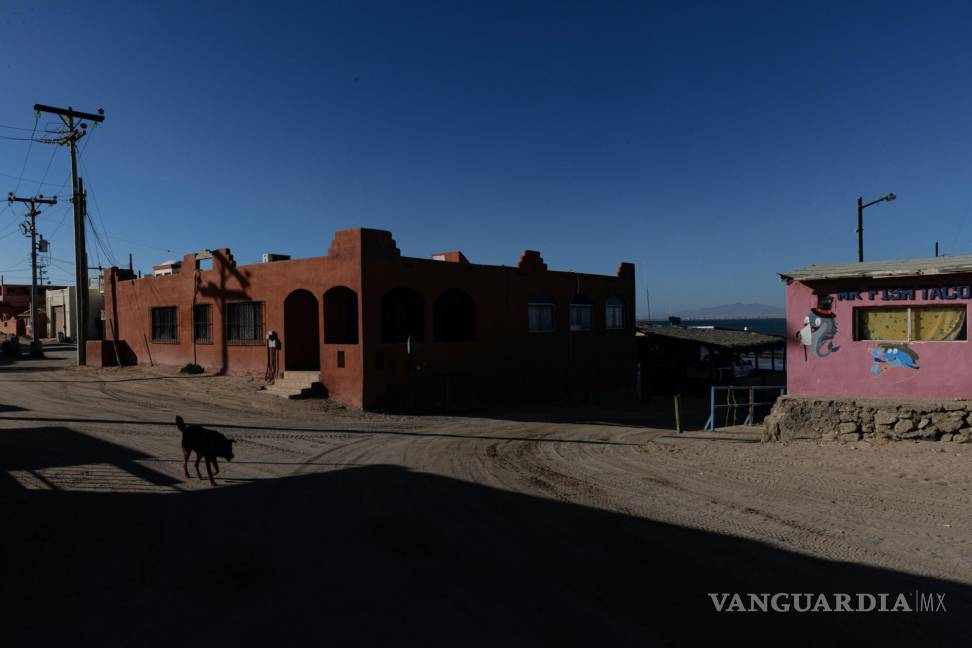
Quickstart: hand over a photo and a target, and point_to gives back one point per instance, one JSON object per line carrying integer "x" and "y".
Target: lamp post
{"x": 860, "y": 221}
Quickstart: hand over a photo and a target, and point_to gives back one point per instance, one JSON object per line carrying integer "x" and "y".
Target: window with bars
{"x": 202, "y": 323}
{"x": 614, "y": 314}
{"x": 244, "y": 323}
{"x": 165, "y": 324}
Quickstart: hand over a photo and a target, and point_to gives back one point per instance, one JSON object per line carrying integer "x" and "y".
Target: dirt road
{"x": 521, "y": 527}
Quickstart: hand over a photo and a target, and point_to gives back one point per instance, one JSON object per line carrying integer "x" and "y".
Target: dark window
{"x": 202, "y": 323}
{"x": 540, "y": 315}
{"x": 614, "y": 314}
{"x": 402, "y": 314}
{"x": 340, "y": 316}
{"x": 244, "y": 322}
{"x": 454, "y": 317}
{"x": 581, "y": 313}
{"x": 380, "y": 360}
{"x": 340, "y": 360}
{"x": 165, "y": 324}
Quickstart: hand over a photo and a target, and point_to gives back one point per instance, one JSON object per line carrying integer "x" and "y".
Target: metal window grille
{"x": 541, "y": 317}
{"x": 165, "y": 325}
{"x": 244, "y": 322}
{"x": 202, "y": 323}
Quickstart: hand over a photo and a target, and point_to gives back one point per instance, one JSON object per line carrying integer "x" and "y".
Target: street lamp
{"x": 860, "y": 221}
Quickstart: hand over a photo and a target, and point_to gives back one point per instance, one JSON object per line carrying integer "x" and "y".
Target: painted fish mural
{"x": 820, "y": 328}
{"x": 893, "y": 355}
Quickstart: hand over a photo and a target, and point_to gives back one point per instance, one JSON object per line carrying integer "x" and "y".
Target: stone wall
{"x": 851, "y": 419}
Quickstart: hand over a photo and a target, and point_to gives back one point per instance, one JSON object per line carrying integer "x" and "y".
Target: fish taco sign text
{"x": 897, "y": 293}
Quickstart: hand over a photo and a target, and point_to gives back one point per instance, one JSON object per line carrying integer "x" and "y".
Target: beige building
{"x": 60, "y": 309}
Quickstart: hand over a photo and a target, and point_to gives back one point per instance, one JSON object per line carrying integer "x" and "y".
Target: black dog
{"x": 207, "y": 444}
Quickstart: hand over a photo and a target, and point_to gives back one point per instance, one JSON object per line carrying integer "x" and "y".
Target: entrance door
{"x": 301, "y": 341}
{"x": 58, "y": 323}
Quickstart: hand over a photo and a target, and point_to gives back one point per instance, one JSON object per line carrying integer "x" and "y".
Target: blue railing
{"x": 749, "y": 402}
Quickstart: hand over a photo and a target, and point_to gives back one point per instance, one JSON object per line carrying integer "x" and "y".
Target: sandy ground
{"x": 520, "y": 526}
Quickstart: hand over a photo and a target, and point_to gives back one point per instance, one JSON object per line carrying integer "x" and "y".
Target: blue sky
{"x": 711, "y": 144}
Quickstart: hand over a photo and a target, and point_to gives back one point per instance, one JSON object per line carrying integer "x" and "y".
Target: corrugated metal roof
{"x": 713, "y": 337}
{"x": 879, "y": 269}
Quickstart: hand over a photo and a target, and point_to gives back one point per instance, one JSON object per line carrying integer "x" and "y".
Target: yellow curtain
{"x": 883, "y": 323}
{"x": 937, "y": 322}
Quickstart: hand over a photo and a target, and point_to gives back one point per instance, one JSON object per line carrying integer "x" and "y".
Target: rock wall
{"x": 851, "y": 419}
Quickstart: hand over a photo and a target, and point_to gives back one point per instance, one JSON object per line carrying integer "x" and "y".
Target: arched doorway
{"x": 301, "y": 345}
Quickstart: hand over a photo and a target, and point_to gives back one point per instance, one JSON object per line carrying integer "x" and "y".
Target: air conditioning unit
{"x": 269, "y": 257}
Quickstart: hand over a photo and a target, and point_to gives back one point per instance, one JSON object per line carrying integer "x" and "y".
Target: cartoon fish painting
{"x": 820, "y": 328}
{"x": 893, "y": 355}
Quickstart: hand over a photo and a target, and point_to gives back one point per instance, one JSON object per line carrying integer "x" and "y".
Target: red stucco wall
{"x": 504, "y": 361}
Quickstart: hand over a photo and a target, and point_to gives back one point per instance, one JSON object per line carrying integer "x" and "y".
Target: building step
{"x": 286, "y": 390}
{"x": 301, "y": 376}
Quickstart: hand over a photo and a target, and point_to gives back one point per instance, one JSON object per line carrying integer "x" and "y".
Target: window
{"x": 165, "y": 324}
{"x": 244, "y": 322}
{"x": 202, "y": 323}
{"x": 340, "y": 360}
{"x": 614, "y": 314}
{"x": 340, "y": 316}
{"x": 540, "y": 315}
{"x": 911, "y": 323}
{"x": 581, "y": 311}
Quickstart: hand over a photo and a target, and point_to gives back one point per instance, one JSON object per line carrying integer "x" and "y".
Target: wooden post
{"x": 678, "y": 416}
{"x": 752, "y": 413}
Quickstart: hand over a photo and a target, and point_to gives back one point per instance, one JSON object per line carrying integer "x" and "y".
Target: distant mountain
{"x": 733, "y": 311}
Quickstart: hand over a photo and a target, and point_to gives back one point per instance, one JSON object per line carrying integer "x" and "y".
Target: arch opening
{"x": 302, "y": 351}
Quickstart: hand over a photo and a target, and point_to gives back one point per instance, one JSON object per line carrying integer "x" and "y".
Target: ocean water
{"x": 769, "y": 326}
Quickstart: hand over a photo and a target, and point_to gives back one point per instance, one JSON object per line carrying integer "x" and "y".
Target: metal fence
{"x": 733, "y": 402}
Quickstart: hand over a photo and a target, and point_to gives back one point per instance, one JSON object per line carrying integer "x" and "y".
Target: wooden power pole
{"x": 30, "y": 229}
{"x": 76, "y": 130}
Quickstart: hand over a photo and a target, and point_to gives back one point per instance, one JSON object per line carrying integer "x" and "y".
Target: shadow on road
{"x": 329, "y": 430}
{"x": 386, "y": 556}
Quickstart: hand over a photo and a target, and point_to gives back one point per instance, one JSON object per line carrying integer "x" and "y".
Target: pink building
{"x": 880, "y": 329}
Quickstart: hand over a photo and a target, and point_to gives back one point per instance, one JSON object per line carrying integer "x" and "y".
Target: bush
{"x": 192, "y": 369}
{"x": 10, "y": 347}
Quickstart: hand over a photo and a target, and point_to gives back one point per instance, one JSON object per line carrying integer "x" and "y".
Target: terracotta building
{"x": 479, "y": 332}
{"x": 15, "y": 308}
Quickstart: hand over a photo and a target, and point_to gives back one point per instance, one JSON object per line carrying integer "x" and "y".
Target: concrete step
{"x": 298, "y": 382}
{"x": 292, "y": 391}
{"x": 282, "y": 392}
{"x": 305, "y": 376}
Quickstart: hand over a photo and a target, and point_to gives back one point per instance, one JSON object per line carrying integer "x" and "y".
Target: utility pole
{"x": 76, "y": 132}
{"x": 30, "y": 229}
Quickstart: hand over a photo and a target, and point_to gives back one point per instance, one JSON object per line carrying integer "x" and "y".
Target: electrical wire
{"x": 105, "y": 245}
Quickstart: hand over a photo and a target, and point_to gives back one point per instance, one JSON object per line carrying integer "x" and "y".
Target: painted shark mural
{"x": 820, "y": 328}
{"x": 893, "y": 355}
